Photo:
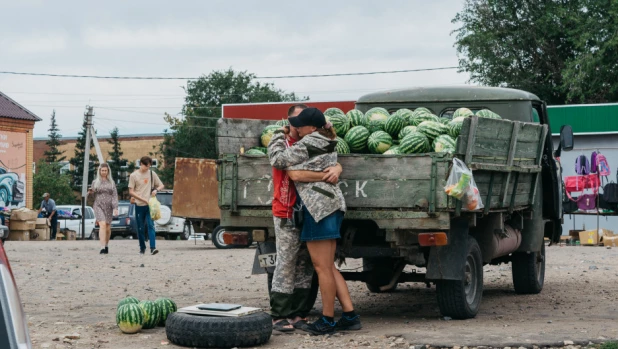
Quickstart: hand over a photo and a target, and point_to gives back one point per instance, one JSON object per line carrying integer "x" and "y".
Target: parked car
{"x": 124, "y": 224}
{"x": 76, "y": 224}
{"x": 169, "y": 226}
{"x": 13, "y": 324}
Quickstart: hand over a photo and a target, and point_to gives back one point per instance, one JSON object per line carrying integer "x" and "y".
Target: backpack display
{"x": 602, "y": 165}
{"x": 582, "y": 166}
{"x": 593, "y": 162}
{"x": 610, "y": 192}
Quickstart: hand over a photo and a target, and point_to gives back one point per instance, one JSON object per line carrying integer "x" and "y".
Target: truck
{"x": 398, "y": 211}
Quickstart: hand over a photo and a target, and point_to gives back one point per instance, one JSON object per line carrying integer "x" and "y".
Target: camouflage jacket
{"x": 312, "y": 153}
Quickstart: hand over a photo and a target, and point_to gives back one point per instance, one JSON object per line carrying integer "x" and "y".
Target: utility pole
{"x": 91, "y": 135}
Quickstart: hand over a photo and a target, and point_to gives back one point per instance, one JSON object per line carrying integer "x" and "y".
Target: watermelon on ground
{"x": 167, "y": 306}
{"x": 357, "y": 118}
{"x": 152, "y": 314}
{"x": 130, "y": 318}
{"x": 404, "y": 131}
{"x": 454, "y": 128}
{"x": 340, "y": 122}
{"x": 357, "y": 138}
{"x": 377, "y": 114}
{"x": 267, "y": 134}
{"x": 465, "y": 112}
{"x": 414, "y": 143}
{"x": 432, "y": 129}
{"x": 127, "y": 300}
{"x": 342, "y": 146}
{"x": 394, "y": 124}
{"x": 444, "y": 144}
{"x": 379, "y": 142}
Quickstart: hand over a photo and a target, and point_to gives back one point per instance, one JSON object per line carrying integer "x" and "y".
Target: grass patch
{"x": 609, "y": 345}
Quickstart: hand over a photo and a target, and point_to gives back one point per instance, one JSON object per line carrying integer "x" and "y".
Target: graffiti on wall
{"x": 12, "y": 169}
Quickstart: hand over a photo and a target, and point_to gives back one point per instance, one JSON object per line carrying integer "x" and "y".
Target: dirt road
{"x": 67, "y": 288}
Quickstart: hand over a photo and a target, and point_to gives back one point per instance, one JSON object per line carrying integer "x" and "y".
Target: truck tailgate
{"x": 196, "y": 189}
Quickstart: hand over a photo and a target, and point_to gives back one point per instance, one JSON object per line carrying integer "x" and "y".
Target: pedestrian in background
{"x": 49, "y": 206}
{"x": 105, "y": 204}
{"x": 144, "y": 184}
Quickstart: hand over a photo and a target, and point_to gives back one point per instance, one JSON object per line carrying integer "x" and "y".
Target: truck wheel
{"x": 186, "y": 231}
{"x": 217, "y": 238}
{"x": 460, "y": 299}
{"x": 381, "y": 272}
{"x": 218, "y": 331}
{"x": 529, "y": 271}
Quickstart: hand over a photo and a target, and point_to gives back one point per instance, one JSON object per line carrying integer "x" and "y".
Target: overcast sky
{"x": 192, "y": 38}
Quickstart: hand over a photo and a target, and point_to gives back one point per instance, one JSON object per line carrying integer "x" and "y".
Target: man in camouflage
{"x": 294, "y": 287}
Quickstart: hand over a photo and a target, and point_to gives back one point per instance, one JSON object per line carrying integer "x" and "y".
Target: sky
{"x": 193, "y": 38}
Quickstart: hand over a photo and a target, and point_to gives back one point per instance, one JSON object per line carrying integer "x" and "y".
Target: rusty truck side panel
{"x": 196, "y": 189}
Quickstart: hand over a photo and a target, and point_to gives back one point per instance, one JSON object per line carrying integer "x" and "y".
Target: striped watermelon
{"x": 377, "y": 114}
{"x": 486, "y": 113}
{"x": 340, "y": 122}
{"x": 394, "y": 124}
{"x": 254, "y": 151}
{"x": 342, "y": 146}
{"x": 422, "y": 110}
{"x": 465, "y": 112}
{"x": 333, "y": 111}
{"x": 394, "y": 150}
{"x": 375, "y": 125}
{"x": 404, "y": 131}
{"x": 459, "y": 119}
{"x": 130, "y": 318}
{"x": 357, "y": 138}
{"x": 267, "y": 134}
{"x": 283, "y": 122}
{"x": 152, "y": 314}
{"x": 379, "y": 142}
{"x": 405, "y": 114}
{"x": 432, "y": 129}
{"x": 357, "y": 118}
{"x": 127, "y": 300}
{"x": 443, "y": 120}
{"x": 414, "y": 143}
{"x": 454, "y": 128}
{"x": 167, "y": 306}
{"x": 416, "y": 120}
{"x": 444, "y": 144}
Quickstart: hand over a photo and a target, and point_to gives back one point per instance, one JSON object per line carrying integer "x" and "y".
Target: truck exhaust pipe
{"x": 505, "y": 242}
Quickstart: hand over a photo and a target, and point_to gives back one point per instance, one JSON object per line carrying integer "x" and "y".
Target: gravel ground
{"x": 68, "y": 289}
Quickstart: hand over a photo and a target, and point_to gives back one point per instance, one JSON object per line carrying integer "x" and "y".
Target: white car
{"x": 76, "y": 224}
{"x": 169, "y": 226}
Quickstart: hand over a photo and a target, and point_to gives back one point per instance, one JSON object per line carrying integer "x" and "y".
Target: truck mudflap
{"x": 265, "y": 258}
{"x": 446, "y": 262}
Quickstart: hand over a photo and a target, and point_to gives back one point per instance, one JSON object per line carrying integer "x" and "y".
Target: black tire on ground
{"x": 461, "y": 299}
{"x": 529, "y": 271}
{"x": 382, "y": 270}
{"x": 186, "y": 231}
{"x": 95, "y": 235}
{"x": 218, "y": 332}
{"x": 217, "y": 238}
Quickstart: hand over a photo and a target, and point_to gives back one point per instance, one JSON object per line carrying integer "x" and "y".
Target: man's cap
{"x": 308, "y": 117}
{"x": 45, "y": 195}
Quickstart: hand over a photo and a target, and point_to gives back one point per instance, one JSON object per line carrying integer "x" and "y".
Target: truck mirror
{"x": 566, "y": 138}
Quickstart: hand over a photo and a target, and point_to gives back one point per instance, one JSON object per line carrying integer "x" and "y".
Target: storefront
{"x": 16, "y": 151}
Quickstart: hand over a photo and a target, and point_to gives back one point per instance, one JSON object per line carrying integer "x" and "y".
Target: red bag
{"x": 579, "y": 183}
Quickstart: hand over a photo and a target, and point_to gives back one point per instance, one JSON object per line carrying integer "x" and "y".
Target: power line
{"x": 194, "y": 78}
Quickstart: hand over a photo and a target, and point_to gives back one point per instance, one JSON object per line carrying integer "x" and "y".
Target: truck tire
{"x": 381, "y": 272}
{"x": 217, "y": 238}
{"x": 218, "y": 331}
{"x": 186, "y": 231}
{"x": 461, "y": 299}
{"x": 529, "y": 271}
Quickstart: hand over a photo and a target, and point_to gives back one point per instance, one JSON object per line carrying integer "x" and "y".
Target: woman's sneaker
{"x": 348, "y": 324}
{"x": 320, "y": 327}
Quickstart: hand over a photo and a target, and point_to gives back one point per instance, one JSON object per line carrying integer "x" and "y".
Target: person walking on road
{"x": 49, "y": 206}
{"x": 323, "y": 207}
{"x": 105, "y": 204}
{"x": 293, "y": 291}
{"x": 143, "y": 184}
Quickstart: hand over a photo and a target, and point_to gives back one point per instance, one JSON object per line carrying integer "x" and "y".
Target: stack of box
{"x": 22, "y": 223}
{"x": 41, "y": 231}
{"x": 603, "y": 237}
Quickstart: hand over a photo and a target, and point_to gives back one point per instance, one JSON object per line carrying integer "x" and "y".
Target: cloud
{"x": 35, "y": 43}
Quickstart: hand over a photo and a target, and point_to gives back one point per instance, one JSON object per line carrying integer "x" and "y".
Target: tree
{"x": 562, "y": 51}
{"x": 47, "y": 180}
{"x": 78, "y": 160}
{"x": 54, "y": 155}
{"x": 194, "y": 135}
{"x": 117, "y": 162}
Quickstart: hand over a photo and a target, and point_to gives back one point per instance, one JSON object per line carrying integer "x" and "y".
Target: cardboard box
{"x": 70, "y": 234}
{"x": 22, "y": 225}
{"x": 610, "y": 241}
{"x": 23, "y": 214}
{"x": 40, "y": 234}
{"x": 19, "y": 235}
{"x": 41, "y": 223}
{"x": 574, "y": 234}
{"x": 59, "y": 236}
{"x": 589, "y": 238}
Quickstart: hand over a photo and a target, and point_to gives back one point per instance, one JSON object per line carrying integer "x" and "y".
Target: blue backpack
{"x": 582, "y": 165}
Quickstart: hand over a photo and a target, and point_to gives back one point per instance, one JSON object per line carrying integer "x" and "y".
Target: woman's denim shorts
{"x": 326, "y": 229}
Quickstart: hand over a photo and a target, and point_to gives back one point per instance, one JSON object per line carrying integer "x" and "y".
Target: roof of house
{"x": 584, "y": 118}
{"x": 11, "y": 109}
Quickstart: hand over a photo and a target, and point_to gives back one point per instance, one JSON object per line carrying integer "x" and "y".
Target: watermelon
{"x": 454, "y": 128}
{"x": 422, "y": 110}
{"x": 459, "y": 119}
{"x": 152, "y": 314}
{"x": 127, "y": 300}
{"x": 357, "y": 118}
{"x": 377, "y": 114}
{"x": 414, "y": 143}
{"x": 283, "y": 122}
{"x": 394, "y": 124}
{"x": 432, "y": 129}
{"x": 254, "y": 151}
{"x": 333, "y": 111}
{"x": 486, "y": 113}
{"x": 394, "y": 150}
{"x": 375, "y": 125}
{"x": 444, "y": 120}
{"x": 267, "y": 134}
{"x": 357, "y": 138}
{"x": 465, "y": 112}
{"x": 379, "y": 142}
{"x": 404, "y": 131}
{"x": 444, "y": 144}
{"x": 130, "y": 318}
{"x": 166, "y": 306}
{"x": 405, "y": 114}
{"x": 340, "y": 122}
{"x": 416, "y": 120}
{"x": 342, "y": 146}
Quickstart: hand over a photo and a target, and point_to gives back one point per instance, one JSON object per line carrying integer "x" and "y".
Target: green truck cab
{"x": 398, "y": 212}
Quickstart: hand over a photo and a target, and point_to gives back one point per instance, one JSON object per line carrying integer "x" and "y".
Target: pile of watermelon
{"x": 132, "y": 315}
{"x": 379, "y": 132}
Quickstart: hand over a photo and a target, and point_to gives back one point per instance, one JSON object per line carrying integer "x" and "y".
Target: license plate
{"x": 115, "y": 222}
{"x": 267, "y": 260}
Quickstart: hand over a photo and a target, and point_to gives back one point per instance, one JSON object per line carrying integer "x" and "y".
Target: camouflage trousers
{"x": 293, "y": 269}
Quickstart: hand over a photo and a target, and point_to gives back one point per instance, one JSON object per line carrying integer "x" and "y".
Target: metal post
{"x": 88, "y": 126}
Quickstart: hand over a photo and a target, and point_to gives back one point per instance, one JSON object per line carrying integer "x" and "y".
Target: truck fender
{"x": 446, "y": 262}
{"x": 263, "y": 248}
